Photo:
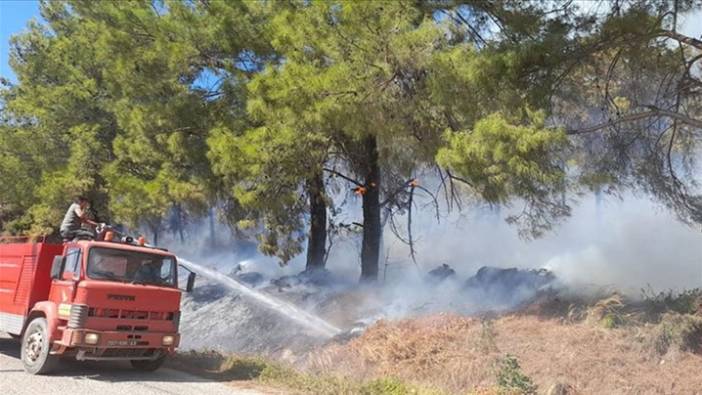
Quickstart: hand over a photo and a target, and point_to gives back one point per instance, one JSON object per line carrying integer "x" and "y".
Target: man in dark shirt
{"x": 149, "y": 273}
{"x": 75, "y": 218}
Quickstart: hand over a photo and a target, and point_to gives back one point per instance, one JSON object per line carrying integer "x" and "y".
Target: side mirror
{"x": 57, "y": 267}
{"x": 191, "y": 282}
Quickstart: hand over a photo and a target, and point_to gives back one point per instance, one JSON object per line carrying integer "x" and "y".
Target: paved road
{"x": 104, "y": 378}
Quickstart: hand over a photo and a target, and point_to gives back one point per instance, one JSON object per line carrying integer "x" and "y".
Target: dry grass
{"x": 554, "y": 346}
{"x": 608, "y": 351}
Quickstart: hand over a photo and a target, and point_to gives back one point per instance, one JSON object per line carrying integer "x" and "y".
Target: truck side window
{"x": 167, "y": 270}
{"x": 72, "y": 268}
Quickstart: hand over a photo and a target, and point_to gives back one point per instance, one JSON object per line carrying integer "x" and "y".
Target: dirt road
{"x": 105, "y": 378}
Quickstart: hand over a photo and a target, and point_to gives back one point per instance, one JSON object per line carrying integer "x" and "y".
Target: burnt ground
{"x": 216, "y": 318}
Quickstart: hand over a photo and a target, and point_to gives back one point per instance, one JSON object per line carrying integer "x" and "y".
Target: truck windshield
{"x": 131, "y": 267}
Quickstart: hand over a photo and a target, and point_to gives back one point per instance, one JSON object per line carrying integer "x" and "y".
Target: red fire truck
{"x": 90, "y": 300}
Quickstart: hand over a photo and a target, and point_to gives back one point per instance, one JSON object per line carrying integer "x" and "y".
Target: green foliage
{"x": 106, "y": 95}
{"x": 388, "y": 386}
{"x": 610, "y": 312}
{"x": 611, "y": 321}
{"x": 332, "y": 385}
{"x": 502, "y": 159}
{"x": 266, "y": 170}
{"x": 510, "y": 378}
{"x": 685, "y": 302}
{"x": 681, "y": 331}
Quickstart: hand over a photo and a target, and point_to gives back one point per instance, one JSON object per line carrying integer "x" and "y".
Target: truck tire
{"x": 35, "y": 348}
{"x": 148, "y": 366}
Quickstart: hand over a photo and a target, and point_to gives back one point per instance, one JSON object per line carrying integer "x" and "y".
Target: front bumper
{"x": 116, "y": 345}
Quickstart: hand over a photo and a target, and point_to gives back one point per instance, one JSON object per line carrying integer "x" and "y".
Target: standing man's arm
{"x": 84, "y": 217}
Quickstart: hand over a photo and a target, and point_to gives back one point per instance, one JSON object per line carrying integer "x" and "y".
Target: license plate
{"x": 121, "y": 342}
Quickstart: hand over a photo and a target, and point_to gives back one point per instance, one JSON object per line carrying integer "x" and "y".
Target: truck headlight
{"x": 91, "y": 338}
{"x": 168, "y": 340}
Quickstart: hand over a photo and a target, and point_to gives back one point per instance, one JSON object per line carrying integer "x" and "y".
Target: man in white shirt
{"x": 76, "y": 216}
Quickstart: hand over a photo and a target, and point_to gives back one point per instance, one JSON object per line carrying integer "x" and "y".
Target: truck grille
{"x": 79, "y": 313}
{"x": 132, "y": 314}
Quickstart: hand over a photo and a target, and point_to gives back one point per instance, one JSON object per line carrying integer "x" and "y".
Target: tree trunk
{"x": 317, "y": 241}
{"x": 155, "y": 226}
{"x": 213, "y": 238}
{"x": 370, "y": 248}
{"x": 179, "y": 222}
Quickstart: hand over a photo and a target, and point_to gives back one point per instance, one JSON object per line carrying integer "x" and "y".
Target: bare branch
{"x": 681, "y": 38}
{"x": 345, "y": 177}
{"x": 433, "y": 197}
{"x": 676, "y": 116}
{"x": 463, "y": 180}
{"x": 653, "y": 111}
{"x": 409, "y": 227}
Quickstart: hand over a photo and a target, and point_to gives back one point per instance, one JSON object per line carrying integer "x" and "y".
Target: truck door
{"x": 63, "y": 289}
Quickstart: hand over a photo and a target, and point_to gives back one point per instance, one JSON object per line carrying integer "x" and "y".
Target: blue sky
{"x": 14, "y": 15}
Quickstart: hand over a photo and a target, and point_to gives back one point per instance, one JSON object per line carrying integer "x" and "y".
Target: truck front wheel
{"x": 35, "y": 348}
{"x": 148, "y": 365}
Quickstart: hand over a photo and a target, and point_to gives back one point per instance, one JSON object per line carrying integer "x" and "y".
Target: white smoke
{"x": 626, "y": 243}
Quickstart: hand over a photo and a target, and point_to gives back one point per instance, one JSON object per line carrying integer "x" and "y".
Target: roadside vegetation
{"x": 285, "y": 378}
{"x": 556, "y": 345}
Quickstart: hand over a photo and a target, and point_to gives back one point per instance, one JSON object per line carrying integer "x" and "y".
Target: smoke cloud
{"x": 626, "y": 243}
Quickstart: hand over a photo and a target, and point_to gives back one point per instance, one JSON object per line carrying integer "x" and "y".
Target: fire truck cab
{"x": 90, "y": 300}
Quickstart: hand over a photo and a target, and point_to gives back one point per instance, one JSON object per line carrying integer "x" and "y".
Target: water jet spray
{"x": 288, "y": 310}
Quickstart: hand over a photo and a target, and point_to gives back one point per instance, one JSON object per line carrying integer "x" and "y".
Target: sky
{"x": 14, "y": 15}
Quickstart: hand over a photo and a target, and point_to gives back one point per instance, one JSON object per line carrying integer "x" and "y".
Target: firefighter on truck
{"x": 76, "y": 217}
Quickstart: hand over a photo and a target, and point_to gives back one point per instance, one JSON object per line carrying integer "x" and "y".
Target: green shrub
{"x": 656, "y": 304}
{"x": 612, "y": 320}
{"x": 386, "y": 386}
{"x": 681, "y": 331}
{"x": 238, "y": 368}
{"x": 511, "y": 379}
{"x": 609, "y": 312}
